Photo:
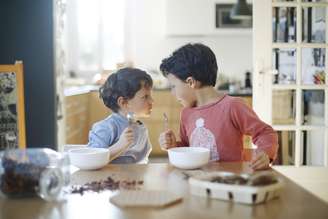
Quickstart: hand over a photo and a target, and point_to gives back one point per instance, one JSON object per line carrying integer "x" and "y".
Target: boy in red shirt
{"x": 211, "y": 119}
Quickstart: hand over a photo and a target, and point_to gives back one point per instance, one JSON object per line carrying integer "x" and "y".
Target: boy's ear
{"x": 191, "y": 82}
{"x": 122, "y": 102}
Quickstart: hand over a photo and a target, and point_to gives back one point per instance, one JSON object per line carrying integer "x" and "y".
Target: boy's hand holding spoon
{"x": 167, "y": 138}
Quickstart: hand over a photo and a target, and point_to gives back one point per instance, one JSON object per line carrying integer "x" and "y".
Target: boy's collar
{"x": 123, "y": 117}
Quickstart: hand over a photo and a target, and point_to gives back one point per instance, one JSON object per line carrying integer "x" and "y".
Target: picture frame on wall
{"x": 12, "y": 112}
{"x": 224, "y": 20}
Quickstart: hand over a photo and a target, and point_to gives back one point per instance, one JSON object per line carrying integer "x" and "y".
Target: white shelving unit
{"x": 308, "y": 129}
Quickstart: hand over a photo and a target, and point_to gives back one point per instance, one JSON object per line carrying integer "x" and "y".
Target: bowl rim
{"x": 85, "y": 150}
{"x": 180, "y": 150}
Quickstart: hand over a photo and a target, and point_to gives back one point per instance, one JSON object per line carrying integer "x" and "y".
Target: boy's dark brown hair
{"x": 125, "y": 83}
{"x": 192, "y": 60}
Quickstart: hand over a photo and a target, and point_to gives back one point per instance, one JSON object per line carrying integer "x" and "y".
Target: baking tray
{"x": 242, "y": 188}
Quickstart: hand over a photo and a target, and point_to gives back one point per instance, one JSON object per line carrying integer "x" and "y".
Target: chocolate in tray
{"x": 250, "y": 180}
{"x": 242, "y": 188}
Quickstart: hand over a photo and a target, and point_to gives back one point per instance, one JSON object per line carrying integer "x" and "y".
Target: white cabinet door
{"x": 189, "y": 17}
{"x": 290, "y": 90}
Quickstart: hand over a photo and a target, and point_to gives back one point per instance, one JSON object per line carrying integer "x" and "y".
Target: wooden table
{"x": 295, "y": 201}
{"x": 312, "y": 178}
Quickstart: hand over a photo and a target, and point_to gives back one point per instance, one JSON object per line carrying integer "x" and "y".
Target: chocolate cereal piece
{"x": 108, "y": 184}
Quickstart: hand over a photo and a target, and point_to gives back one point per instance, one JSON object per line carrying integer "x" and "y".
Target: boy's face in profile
{"x": 182, "y": 91}
{"x": 142, "y": 102}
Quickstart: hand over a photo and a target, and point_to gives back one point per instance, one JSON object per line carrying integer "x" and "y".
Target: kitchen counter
{"x": 83, "y": 89}
{"x": 295, "y": 201}
{"x": 239, "y": 93}
{"x": 77, "y": 90}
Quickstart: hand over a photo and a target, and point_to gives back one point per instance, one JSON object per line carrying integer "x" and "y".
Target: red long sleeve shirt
{"x": 220, "y": 126}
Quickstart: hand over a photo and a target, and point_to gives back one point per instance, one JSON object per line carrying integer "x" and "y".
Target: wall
{"x": 147, "y": 43}
{"x": 27, "y": 35}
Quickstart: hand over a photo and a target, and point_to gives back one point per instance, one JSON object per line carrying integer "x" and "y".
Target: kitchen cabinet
{"x": 83, "y": 110}
{"x": 76, "y": 108}
{"x": 247, "y": 139}
{"x": 97, "y": 109}
{"x": 197, "y": 18}
{"x": 189, "y": 17}
{"x": 164, "y": 102}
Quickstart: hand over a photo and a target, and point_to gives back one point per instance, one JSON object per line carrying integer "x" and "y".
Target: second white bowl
{"x": 189, "y": 157}
{"x": 89, "y": 158}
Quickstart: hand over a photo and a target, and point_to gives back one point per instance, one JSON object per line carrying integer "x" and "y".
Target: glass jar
{"x": 34, "y": 172}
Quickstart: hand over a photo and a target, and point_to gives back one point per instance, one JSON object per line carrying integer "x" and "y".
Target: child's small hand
{"x": 126, "y": 137}
{"x": 167, "y": 140}
{"x": 260, "y": 161}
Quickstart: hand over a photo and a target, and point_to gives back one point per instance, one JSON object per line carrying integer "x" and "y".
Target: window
{"x": 94, "y": 35}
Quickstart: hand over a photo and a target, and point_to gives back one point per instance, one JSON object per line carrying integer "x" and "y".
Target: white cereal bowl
{"x": 69, "y": 147}
{"x": 189, "y": 157}
{"x": 89, "y": 158}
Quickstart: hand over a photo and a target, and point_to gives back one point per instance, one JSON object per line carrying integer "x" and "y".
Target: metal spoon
{"x": 166, "y": 122}
{"x": 131, "y": 118}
